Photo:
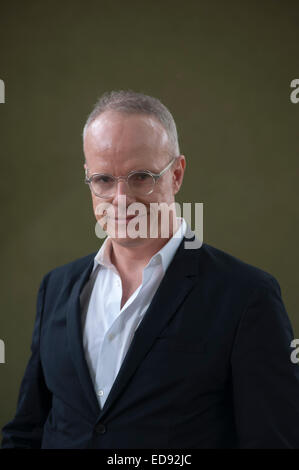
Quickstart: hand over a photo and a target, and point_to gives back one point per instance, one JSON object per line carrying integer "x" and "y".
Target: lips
{"x": 122, "y": 218}
{"x": 129, "y": 217}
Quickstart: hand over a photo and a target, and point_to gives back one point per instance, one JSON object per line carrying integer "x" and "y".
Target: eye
{"x": 140, "y": 177}
{"x": 103, "y": 179}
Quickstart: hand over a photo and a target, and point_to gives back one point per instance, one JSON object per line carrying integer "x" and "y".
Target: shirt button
{"x": 100, "y": 393}
{"x": 111, "y": 336}
{"x": 100, "y": 428}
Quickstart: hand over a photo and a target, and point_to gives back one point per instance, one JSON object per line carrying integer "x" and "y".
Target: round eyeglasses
{"x": 141, "y": 183}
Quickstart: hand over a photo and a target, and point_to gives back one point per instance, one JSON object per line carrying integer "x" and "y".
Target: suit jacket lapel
{"x": 179, "y": 279}
{"x": 75, "y": 338}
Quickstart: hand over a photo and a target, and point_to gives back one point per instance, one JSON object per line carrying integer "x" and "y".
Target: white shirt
{"x": 108, "y": 329}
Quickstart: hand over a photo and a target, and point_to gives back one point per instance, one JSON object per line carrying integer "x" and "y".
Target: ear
{"x": 178, "y": 173}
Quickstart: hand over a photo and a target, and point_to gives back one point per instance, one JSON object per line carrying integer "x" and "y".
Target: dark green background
{"x": 224, "y": 70}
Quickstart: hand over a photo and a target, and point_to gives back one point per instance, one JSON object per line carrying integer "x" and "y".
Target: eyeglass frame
{"x": 155, "y": 176}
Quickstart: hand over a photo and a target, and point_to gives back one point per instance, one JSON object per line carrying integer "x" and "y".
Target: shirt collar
{"x": 168, "y": 250}
{"x": 163, "y": 256}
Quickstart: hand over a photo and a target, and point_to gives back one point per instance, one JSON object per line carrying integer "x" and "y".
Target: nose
{"x": 122, "y": 189}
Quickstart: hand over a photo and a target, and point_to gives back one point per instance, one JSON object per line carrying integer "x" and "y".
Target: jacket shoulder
{"x": 71, "y": 269}
{"x": 235, "y": 271}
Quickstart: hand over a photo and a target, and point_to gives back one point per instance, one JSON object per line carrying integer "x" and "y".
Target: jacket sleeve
{"x": 34, "y": 401}
{"x": 265, "y": 380}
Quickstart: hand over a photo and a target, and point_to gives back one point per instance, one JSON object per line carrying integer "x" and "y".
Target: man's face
{"x": 118, "y": 143}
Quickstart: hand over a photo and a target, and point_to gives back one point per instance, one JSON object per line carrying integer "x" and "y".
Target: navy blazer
{"x": 208, "y": 367}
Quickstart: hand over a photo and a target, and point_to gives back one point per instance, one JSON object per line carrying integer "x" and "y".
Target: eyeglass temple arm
{"x": 157, "y": 175}
{"x": 86, "y": 179}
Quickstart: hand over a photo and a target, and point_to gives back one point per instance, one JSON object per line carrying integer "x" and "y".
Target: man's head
{"x": 129, "y": 131}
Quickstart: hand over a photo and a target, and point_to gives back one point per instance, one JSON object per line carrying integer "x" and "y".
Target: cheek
{"x": 94, "y": 205}
{"x": 97, "y": 209}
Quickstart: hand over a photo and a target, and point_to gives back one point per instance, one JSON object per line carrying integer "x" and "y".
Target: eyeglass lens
{"x": 140, "y": 183}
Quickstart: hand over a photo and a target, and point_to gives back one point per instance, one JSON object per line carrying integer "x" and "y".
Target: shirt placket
{"x": 119, "y": 335}
{"x": 109, "y": 355}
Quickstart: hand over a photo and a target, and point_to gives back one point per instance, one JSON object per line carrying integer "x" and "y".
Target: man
{"x": 147, "y": 344}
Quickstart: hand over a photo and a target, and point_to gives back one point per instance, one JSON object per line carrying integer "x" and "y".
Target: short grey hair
{"x": 129, "y": 101}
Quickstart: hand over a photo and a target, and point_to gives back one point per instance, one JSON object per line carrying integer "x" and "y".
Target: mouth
{"x": 119, "y": 220}
{"x": 122, "y": 219}
{"x": 127, "y": 218}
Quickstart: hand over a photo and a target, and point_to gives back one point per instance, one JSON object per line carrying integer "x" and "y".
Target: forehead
{"x": 113, "y": 133}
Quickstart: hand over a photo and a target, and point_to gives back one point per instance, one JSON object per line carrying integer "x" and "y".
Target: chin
{"x": 128, "y": 241}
